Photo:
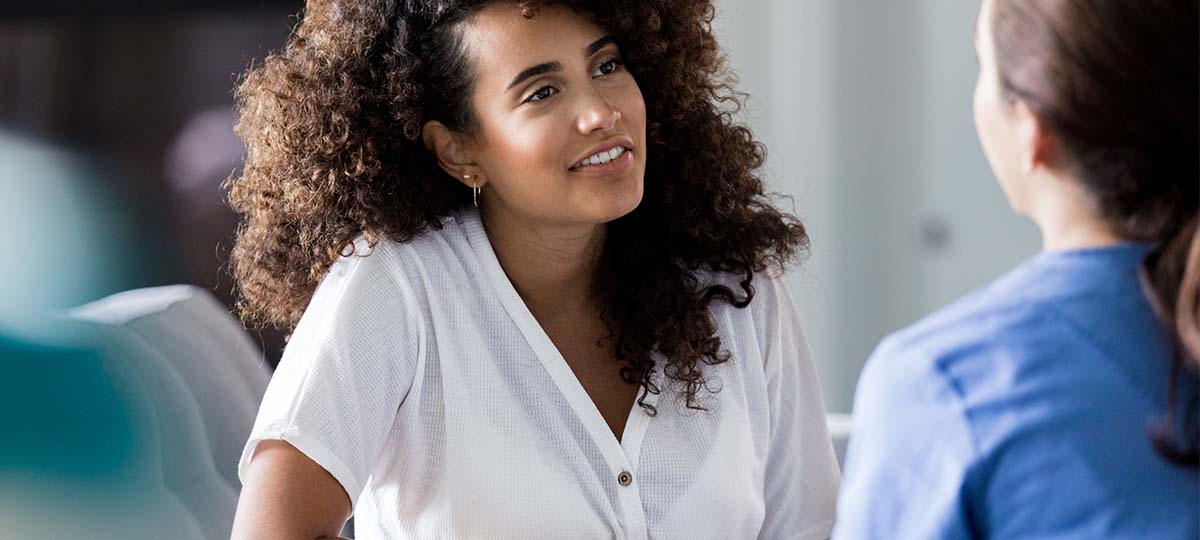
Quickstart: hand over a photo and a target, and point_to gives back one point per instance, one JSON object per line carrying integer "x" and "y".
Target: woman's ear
{"x": 1037, "y": 144}
{"x": 452, "y": 153}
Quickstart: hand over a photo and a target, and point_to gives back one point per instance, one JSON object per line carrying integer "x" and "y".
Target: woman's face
{"x": 995, "y": 117}
{"x": 562, "y": 124}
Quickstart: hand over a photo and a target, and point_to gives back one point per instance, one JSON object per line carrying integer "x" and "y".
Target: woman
{"x": 531, "y": 272}
{"x": 1060, "y": 401}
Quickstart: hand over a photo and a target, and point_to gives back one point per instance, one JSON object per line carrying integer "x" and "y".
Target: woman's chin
{"x": 616, "y": 205}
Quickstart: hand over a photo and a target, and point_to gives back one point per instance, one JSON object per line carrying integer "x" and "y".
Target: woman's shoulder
{"x": 392, "y": 259}
{"x": 959, "y": 354}
{"x": 385, "y": 273}
{"x": 360, "y": 283}
{"x": 1005, "y": 314}
{"x": 1029, "y": 304}
{"x": 766, "y": 289}
{"x": 973, "y": 355}
{"x": 969, "y": 353}
{"x": 771, "y": 317}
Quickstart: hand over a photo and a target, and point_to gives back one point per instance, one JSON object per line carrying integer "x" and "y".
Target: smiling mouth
{"x": 600, "y": 158}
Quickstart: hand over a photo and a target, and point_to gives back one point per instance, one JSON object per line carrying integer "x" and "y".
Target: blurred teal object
{"x": 61, "y": 414}
{"x": 131, "y": 425}
{"x": 77, "y": 460}
{"x": 68, "y": 242}
{"x": 118, "y": 417}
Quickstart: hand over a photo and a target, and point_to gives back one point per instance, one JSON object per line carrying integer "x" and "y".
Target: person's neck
{"x": 551, "y": 266}
{"x": 1067, "y": 219}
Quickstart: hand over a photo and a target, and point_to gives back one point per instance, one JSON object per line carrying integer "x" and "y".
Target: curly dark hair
{"x": 333, "y": 125}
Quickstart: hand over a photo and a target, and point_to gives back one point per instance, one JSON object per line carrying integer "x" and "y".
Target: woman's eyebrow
{"x": 548, "y": 67}
{"x": 598, "y": 44}
{"x": 544, "y": 67}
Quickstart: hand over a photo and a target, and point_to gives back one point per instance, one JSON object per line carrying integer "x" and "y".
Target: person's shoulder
{"x": 378, "y": 269}
{"x": 769, "y": 322}
{"x": 1002, "y": 314}
{"x": 363, "y": 279}
{"x": 969, "y": 351}
{"x": 363, "y": 298}
{"x": 385, "y": 260}
{"x": 963, "y": 328}
{"x": 768, "y": 299}
{"x": 449, "y": 236}
{"x": 767, "y": 287}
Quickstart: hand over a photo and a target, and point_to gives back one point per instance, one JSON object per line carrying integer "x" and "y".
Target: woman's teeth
{"x": 601, "y": 157}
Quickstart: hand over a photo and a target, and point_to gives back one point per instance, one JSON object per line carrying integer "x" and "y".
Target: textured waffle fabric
{"x": 419, "y": 379}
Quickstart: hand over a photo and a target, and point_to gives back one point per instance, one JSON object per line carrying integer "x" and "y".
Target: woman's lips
{"x": 618, "y": 164}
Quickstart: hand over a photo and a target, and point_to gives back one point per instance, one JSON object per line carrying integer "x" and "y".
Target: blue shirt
{"x": 1023, "y": 411}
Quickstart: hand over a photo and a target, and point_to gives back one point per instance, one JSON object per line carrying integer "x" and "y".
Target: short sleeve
{"x": 801, "y": 473}
{"x": 345, "y": 372}
{"x": 909, "y": 453}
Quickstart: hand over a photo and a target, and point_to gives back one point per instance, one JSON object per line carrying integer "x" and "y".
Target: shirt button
{"x": 624, "y": 478}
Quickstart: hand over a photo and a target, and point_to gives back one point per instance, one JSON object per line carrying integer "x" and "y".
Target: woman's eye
{"x": 608, "y": 67}
{"x": 542, "y": 93}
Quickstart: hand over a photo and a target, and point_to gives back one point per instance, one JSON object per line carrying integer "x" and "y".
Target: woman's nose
{"x": 598, "y": 115}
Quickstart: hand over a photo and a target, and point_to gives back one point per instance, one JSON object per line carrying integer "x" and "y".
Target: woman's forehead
{"x": 501, "y": 39}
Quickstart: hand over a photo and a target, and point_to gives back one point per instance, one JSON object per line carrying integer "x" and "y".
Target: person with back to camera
{"x": 533, "y": 278}
{"x": 1060, "y": 401}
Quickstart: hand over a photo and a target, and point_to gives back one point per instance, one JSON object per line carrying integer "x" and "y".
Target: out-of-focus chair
{"x": 839, "y": 430}
{"x": 185, "y": 327}
{"x": 85, "y": 450}
{"x": 203, "y": 379}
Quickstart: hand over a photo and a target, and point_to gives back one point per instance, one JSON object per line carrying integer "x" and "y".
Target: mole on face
{"x": 529, "y": 10}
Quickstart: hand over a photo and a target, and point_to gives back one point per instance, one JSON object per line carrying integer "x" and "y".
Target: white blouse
{"x": 419, "y": 379}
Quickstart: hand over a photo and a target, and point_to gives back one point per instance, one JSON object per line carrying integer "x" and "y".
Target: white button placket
{"x": 631, "y": 507}
{"x": 626, "y": 473}
{"x": 620, "y": 456}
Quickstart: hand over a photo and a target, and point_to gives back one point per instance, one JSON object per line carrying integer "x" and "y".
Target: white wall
{"x": 865, "y": 109}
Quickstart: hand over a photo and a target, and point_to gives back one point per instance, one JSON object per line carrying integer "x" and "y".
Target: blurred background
{"x": 124, "y": 400}
{"x": 865, "y": 109}
{"x": 117, "y": 117}
{"x": 116, "y": 132}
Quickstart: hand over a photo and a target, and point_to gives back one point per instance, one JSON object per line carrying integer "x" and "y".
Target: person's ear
{"x": 1036, "y": 143}
{"x": 452, "y": 152}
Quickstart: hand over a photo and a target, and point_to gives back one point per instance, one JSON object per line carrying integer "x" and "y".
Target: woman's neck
{"x": 552, "y": 267}
{"x": 1068, "y": 219}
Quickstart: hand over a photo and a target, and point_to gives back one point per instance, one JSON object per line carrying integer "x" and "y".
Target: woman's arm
{"x": 800, "y": 487}
{"x": 288, "y": 496}
{"x": 360, "y": 337}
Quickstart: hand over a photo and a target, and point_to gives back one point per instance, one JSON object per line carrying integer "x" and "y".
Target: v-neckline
{"x": 627, "y": 448}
